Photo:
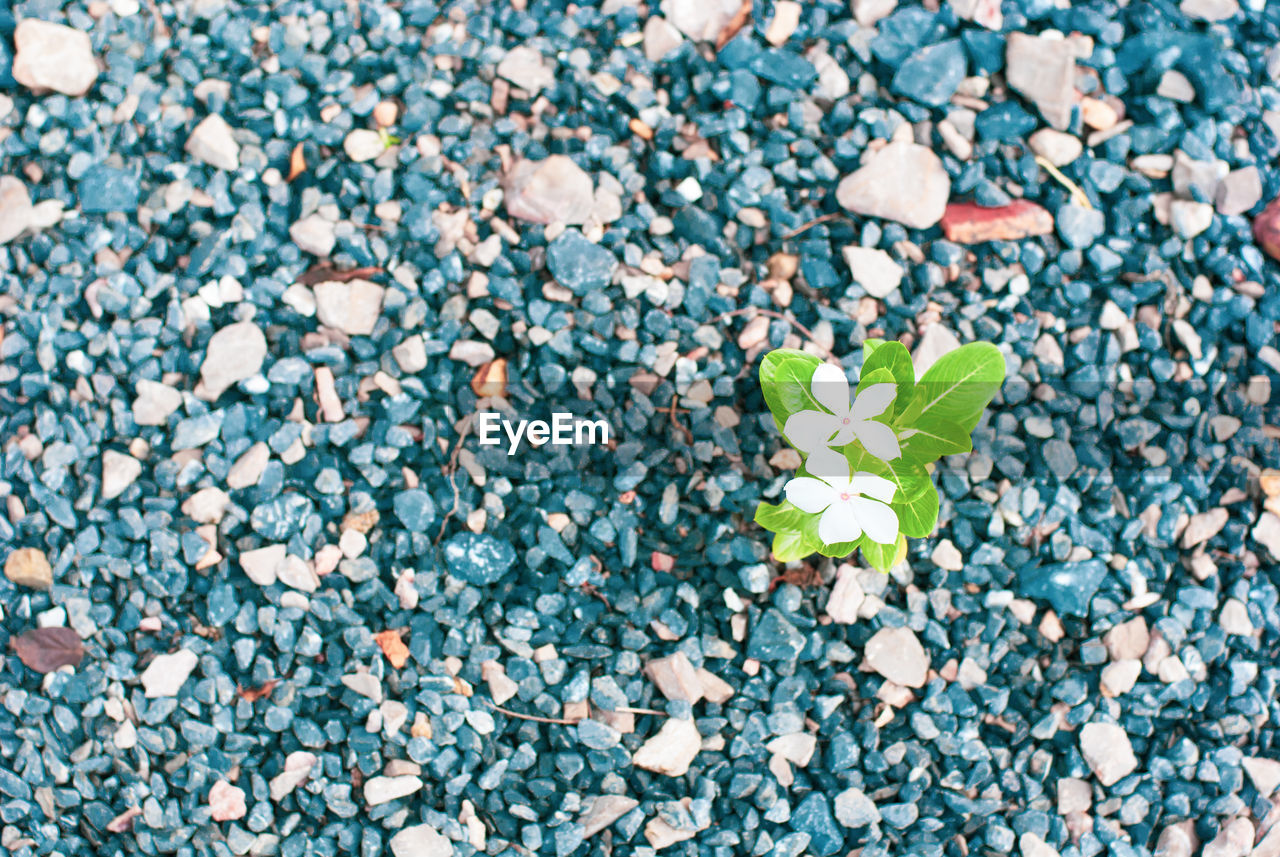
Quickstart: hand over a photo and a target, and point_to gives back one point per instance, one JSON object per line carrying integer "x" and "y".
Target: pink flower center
{"x": 844, "y": 495}
{"x": 846, "y": 420}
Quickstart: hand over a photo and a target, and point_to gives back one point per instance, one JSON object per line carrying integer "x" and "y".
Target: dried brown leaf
{"x": 297, "y": 163}
{"x": 46, "y": 649}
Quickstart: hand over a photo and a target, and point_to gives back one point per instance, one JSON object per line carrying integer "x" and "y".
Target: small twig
{"x": 688, "y": 435}
{"x": 804, "y": 331}
{"x": 628, "y": 710}
{"x": 557, "y": 721}
{"x": 834, "y": 215}
{"x": 736, "y": 23}
{"x": 450, "y": 472}
{"x": 1077, "y": 195}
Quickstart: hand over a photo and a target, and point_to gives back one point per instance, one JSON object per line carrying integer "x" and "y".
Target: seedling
{"x": 865, "y": 479}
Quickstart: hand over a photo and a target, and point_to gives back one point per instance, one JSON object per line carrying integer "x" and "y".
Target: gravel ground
{"x": 265, "y": 591}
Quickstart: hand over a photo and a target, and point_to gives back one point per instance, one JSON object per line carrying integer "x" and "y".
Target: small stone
{"x": 675, "y": 677}
{"x": 119, "y": 471}
{"x": 1042, "y": 70}
{"x": 1175, "y": 85}
{"x": 660, "y": 38}
{"x": 314, "y": 234}
{"x": 714, "y": 689}
{"x": 363, "y": 144}
{"x": 16, "y": 211}
{"x": 234, "y": 353}
{"x": 213, "y": 143}
{"x": 155, "y": 402}
{"x": 797, "y": 747}
{"x": 526, "y": 68}
{"x": 411, "y": 355}
{"x": 501, "y": 687}
{"x": 896, "y": 654}
{"x": 1119, "y": 677}
{"x": 874, "y": 270}
{"x": 1080, "y": 226}
{"x": 1098, "y": 114}
{"x": 700, "y": 20}
{"x": 51, "y": 56}
{"x": 1074, "y": 795}
{"x": 671, "y": 750}
{"x": 579, "y": 265}
{"x": 1234, "y": 618}
{"x": 296, "y": 573}
{"x": 1266, "y": 229}
{"x": 30, "y": 568}
{"x": 226, "y": 802}
{"x": 261, "y": 564}
{"x": 1128, "y": 640}
{"x": 380, "y": 790}
{"x": 966, "y": 223}
{"x": 1239, "y": 191}
{"x": 297, "y": 768}
{"x": 1210, "y": 10}
{"x": 774, "y": 638}
{"x": 1234, "y": 839}
{"x": 478, "y": 558}
{"x": 603, "y": 811}
{"x": 1189, "y": 219}
{"x": 1106, "y": 749}
{"x": 1204, "y": 526}
{"x": 207, "y": 505}
{"x": 1068, "y": 586}
{"x": 352, "y": 307}
{"x": 1032, "y": 845}
{"x": 946, "y": 556}
{"x": 554, "y": 190}
{"x": 935, "y": 341}
{"x": 420, "y": 840}
{"x": 249, "y": 466}
{"x": 846, "y": 596}
{"x": 985, "y": 13}
{"x": 931, "y": 73}
{"x": 870, "y": 12}
{"x": 854, "y": 809}
{"x": 786, "y": 17}
{"x": 903, "y": 181}
{"x": 165, "y": 675}
{"x": 1263, "y": 773}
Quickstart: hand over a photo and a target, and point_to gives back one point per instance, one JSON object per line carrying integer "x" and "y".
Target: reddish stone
{"x": 1266, "y": 229}
{"x": 967, "y": 223}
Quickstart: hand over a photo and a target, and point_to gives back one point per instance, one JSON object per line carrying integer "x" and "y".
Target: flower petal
{"x": 878, "y": 438}
{"x": 810, "y": 495}
{"x": 829, "y": 466}
{"x": 839, "y": 524}
{"x": 810, "y": 430}
{"x": 872, "y": 401}
{"x": 880, "y": 521}
{"x": 831, "y": 387}
{"x": 875, "y": 487}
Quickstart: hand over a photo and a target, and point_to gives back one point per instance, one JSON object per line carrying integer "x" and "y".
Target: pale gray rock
{"x": 527, "y": 68}
{"x": 604, "y": 811}
{"x": 1210, "y": 10}
{"x": 421, "y": 840}
{"x": 1043, "y": 70}
{"x": 363, "y": 144}
{"x": 379, "y": 790}
{"x": 249, "y": 466}
{"x": 675, "y": 677}
{"x": 1263, "y": 773}
{"x": 411, "y": 354}
{"x": 854, "y": 809}
{"x": 874, "y": 270}
{"x": 700, "y": 20}
{"x": 155, "y": 402}
{"x": 352, "y": 307}
{"x": 314, "y": 234}
{"x": 234, "y": 353}
{"x": 212, "y": 142}
{"x": 671, "y": 750}
{"x": 868, "y": 13}
{"x": 297, "y": 768}
{"x": 896, "y": 654}
{"x": 1032, "y": 845}
{"x": 1107, "y": 751}
{"x": 1239, "y": 191}
{"x": 119, "y": 471}
{"x": 554, "y": 190}
{"x": 260, "y": 564}
{"x": 660, "y": 38}
{"x": 16, "y": 211}
{"x": 165, "y": 675}
{"x": 53, "y": 57}
{"x": 1057, "y": 147}
{"x": 903, "y": 181}
{"x": 934, "y": 342}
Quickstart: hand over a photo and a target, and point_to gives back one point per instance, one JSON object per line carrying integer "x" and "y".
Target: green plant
{"x": 865, "y": 481}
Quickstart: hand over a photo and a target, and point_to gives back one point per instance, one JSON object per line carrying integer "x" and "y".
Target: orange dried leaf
{"x": 393, "y": 647}
{"x": 297, "y": 163}
{"x": 491, "y": 379}
{"x": 253, "y": 694}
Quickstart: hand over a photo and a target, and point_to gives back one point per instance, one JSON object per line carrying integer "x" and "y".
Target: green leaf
{"x": 875, "y": 376}
{"x": 910, "y": 478}
{"x": 918, "y": 516}
{"x": 894, "y": 357}
{"x": 781, "y": 517}
{"x": 930, "y": 438}
{"x": 785, "y": 376}
{"x": 958, "y": 387}
{"x": 842, "y": 549}
{"x": 884, "y": 557}
{"x": 793, "y": 545}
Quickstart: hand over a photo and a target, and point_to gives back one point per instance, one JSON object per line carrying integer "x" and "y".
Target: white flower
{"x": 849, "y": 506}
{"x": 813, "y": 431}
